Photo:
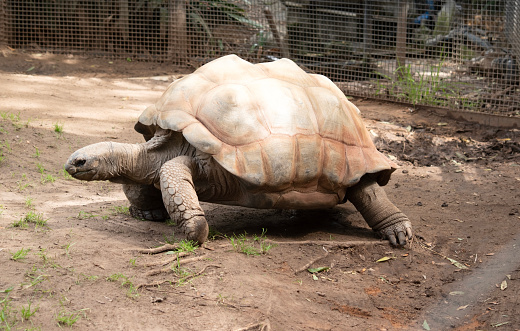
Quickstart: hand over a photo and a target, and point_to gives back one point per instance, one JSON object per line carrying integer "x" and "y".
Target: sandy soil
{"x": 458, "y": 182}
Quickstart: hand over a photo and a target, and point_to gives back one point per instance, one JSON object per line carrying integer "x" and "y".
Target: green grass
{"x": 121, "y": 210}
{"x": 36, "y": 153}
{"x": 426, "y": 88}
{"x": 27, "y": 312}
{"x": 29, "y": 203}
{"x": 22, "y": 183}
{"x": 21, "y": 254}
{"x": 184, "y": 274}
{"x": 255, "y": 246}
{"x": 67, "y": 248}
{"x": 85, "y": 215}
{"x": 131, "y": 290}
{"x": 65, "y": 174}
{"x": 15, "y": 120}
{"x": 47, "y": 261}
{"x": 7, "y": 314}
{"x": 47, "y": 178}
{"x": 187, "y": 246}
{"x": 66, "y": 318}
{"x": 31, "y": 217}
{"x": 40, "y": 167}
{"x": 58, "y": 129}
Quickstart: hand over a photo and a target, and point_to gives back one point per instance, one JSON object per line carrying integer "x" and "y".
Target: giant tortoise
{"x": 265, "y": 135}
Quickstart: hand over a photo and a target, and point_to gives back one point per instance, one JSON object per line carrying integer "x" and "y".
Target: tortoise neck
{"x": 144, "y": 161}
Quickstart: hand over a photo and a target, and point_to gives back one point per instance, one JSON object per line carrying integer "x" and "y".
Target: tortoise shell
{"x": 272, "y": 125}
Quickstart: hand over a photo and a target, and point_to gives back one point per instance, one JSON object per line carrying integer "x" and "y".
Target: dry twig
{"x": 160, "y": 249}
{"x": 346, "y": 244}
{"x": 165, "y": 270}
{"x": 261, "y": 326}
{"x": 165, "y": 262}
{"x": 158, "y": 283}
{"x": 305, "y": 267}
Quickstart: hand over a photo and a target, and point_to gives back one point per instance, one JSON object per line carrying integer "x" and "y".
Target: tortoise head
{"x": 95, "y": 162}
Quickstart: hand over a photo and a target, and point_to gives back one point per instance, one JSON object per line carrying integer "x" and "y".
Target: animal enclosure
{"x": 460, "y": 55}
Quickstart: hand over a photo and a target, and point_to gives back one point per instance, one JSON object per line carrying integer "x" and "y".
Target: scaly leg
{"x": 380, "y": 213}
{"x": 145, "y": 202}
{"x": 180, "y": 198}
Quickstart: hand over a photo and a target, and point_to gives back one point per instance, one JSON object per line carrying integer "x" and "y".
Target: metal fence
{"x": 458, "y": 54}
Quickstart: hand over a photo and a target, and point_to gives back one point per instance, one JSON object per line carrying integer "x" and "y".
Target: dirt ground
{"x": 69, "y": 251}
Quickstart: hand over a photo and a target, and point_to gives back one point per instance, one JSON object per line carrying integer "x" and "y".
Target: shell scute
{"x": 230, "y": 69}
{"x": 229, "y": 113}
{"x": 288, "y": 71}
{"x": 286, "y": 107}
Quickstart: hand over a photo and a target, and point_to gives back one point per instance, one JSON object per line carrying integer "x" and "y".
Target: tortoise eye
{"x": 80, "y": 162}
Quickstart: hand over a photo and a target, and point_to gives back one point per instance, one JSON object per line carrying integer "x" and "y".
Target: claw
{"x": 402, "y": 238}
{"x": 391, "y": 238}
{"x": 398, "y": 234}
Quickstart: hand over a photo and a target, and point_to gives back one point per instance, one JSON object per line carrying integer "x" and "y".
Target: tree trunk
{"x": 177, "y": 34}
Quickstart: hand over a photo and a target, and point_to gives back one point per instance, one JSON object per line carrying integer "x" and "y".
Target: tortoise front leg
{"x": 145, "y": 202}
{"x": 180, "y": 198}
{"x": 380, "y": 213}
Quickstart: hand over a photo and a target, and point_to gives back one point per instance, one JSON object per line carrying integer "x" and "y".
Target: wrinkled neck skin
{"x": 139, "y": 164}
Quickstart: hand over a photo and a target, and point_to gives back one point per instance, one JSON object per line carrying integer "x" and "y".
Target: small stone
{"x": 419, "y": 203}
{"x": 444, "y": 204}
{"x": 178, "y": 200}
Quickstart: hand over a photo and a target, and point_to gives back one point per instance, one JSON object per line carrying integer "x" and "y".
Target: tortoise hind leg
{"x": 380, "y": 213}
{"x": 180, "y": 198}
{"x": 145, "y": 202}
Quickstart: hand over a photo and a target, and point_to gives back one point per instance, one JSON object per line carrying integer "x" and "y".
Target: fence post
{"x": 177, "y": 34}
{"x": 402, "y": 23}
{"x": 3, "y": 26}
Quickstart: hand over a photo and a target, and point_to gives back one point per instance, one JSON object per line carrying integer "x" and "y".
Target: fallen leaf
{"x": 456, "y": 263}
{"x": 319, "y": 269}
{"x": 30, "y": 69}
{"x": 425, "y": 325}
{"x": 490, "y": 254}
{"x": 457, "y": 293}
{"x": 499, "y": 324}
{"x": 503, "y": 285}
{"x": 386, "y": 258}
{"x": 462, "y": 307}
{"x": 442, "y": 124}
{"x": 461, "y": 156}
{"x": 314, "y": 277}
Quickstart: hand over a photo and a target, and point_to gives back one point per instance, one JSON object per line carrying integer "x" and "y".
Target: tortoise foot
{"x": 156, "y": 215}
{"x": 397, "y": 233}
{"x": 196, "y": 229}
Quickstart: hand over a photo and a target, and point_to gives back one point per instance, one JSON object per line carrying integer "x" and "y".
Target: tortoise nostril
{"x": 80, "y": 162}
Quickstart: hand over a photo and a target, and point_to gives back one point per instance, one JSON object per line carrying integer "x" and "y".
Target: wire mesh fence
{"x": 458, "y": 54}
